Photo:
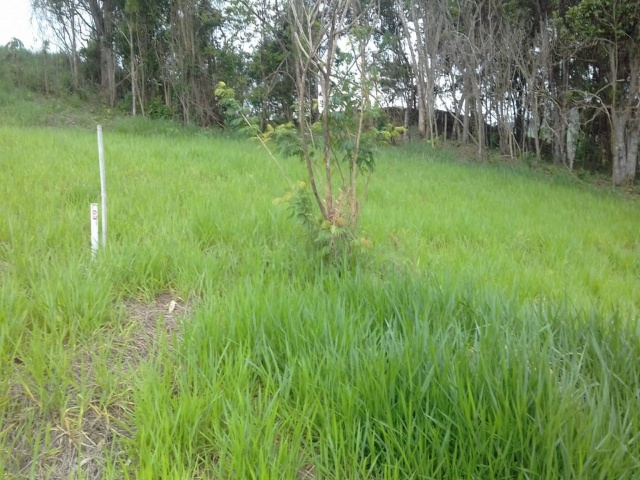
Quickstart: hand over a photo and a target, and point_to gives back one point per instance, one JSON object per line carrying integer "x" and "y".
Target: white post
{"x": 103, "y": 186}
{"x": 94, "y": 230}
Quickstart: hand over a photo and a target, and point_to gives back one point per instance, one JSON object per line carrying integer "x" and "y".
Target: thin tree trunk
{"x": 466, "y": 119}
{"x": 326, "y": 94}
{"x": 423, "y": 77}
{"x": 74, "y": 53}
{"x": 479, "y": 120}
{"x": 133, "y": 71}
{"x": 573, "y": 129}
{"x": 405, "y": 134}
{"x": 536, "y": 127}
{"x": 417, "y": 69}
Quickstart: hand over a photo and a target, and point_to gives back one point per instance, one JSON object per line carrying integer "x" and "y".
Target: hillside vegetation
{"x": 555, "y": 80}
{"x": 491, "y": 332}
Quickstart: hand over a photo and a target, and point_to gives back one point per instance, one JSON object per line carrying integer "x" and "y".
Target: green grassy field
{"x": 491, "y": 333}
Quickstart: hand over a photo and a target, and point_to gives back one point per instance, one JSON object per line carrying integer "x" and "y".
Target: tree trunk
{"x": 573, "y": 129}
{"x": 457, "y": 105}
{"x": 536, "y": 127}
{"x": 74, "y": 54}
{"x": 424, "y": 38}
{"x": 416, "y": 66}
{"x": 479, "y": 119}
{"x": 405, "y": 135}
{"x": 133, "y": 71}
{"x": 633, "y": 143}
{"x": 466, "y": 118}
{"x": 103, "y": 21}
{"x": 625, "y": 122}
{"x": 624, "y": 144}
{"x": 108, "y": 72}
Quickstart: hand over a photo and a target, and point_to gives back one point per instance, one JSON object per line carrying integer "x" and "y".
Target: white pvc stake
{"x": 103, "y": 186}
{"x": 94, "y": 230}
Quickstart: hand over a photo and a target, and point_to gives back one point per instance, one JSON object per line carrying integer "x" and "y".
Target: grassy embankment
{"x": 491, "y": 333}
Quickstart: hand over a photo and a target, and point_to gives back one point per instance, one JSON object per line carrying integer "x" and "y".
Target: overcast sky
{"x": 15, "y": 21}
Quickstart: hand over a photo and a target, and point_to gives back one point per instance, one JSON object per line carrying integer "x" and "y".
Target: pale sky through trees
{"x": 15, "y": 21}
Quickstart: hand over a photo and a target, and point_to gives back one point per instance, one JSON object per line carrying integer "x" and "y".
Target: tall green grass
{"x": 369, "y": 377}
{"x": 491, "y": 333}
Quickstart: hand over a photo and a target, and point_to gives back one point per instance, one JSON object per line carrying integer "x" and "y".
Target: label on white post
{"x": 94, "y": 230}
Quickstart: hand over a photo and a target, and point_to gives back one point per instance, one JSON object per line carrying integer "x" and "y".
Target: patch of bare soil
{"x": 152, "y": 322}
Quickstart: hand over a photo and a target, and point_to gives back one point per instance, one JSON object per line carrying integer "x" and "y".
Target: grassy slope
{"x": 510, "y": 229}
{"x": 479, "y": 339}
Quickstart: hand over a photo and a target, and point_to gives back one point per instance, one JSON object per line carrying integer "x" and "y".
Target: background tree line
{"x": 555, "y": 79}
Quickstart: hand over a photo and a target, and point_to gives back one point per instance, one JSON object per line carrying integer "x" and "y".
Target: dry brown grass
{"x": 80, "y": 436}
{"x": 152, "y": 321}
